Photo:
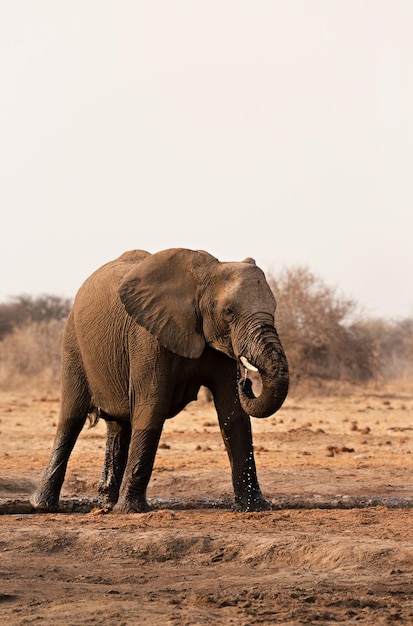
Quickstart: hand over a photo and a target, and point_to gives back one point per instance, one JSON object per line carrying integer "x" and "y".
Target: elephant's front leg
{"x": 142, "y": 451}
{"x": 236, "y": 432}
{"x": 116, "y": 455}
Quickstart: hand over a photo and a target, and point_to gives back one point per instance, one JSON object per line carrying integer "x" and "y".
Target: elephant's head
{"x": 188, "y": 299}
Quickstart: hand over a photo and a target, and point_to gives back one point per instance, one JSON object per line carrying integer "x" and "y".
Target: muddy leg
{"x": 116, "y": 456}
{"x": 236, "y": 432}
{"x": 46, "y": 496}
{"x": 142, "y": 451}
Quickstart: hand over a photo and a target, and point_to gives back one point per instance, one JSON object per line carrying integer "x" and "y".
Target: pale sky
{"x": 278, "y": 129}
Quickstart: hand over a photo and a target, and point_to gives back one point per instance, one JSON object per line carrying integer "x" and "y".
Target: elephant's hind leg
{"x": 116, "y": 456}
{"x": 75, "y": 405}
{"x": 46, "y": 496}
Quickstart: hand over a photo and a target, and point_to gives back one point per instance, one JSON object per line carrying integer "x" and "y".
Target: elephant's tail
{"x": 94, "y": 415}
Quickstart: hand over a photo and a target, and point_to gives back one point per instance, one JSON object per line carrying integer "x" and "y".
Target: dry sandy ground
{"x": 192, "y": 560}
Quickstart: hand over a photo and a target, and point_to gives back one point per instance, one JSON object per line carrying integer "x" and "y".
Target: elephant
{"x": 145, "y": 332}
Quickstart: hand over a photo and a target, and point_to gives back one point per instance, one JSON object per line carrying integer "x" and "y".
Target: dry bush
{"x": 30, "y": 340}
{"x": 30, "y": 355}
{"x": 320, "y": 333}
{"x": 394, "y": 344}
{"x": 24, "y": 309}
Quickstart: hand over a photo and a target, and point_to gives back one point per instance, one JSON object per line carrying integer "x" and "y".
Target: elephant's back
{"x": 116, "y": 268}
{"x": 101, "y": 288}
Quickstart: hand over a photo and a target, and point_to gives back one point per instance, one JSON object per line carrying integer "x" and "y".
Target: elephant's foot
{"x": 105, "y": 504}
{"x": 251, "y": 504}
{"x": 107, "y": 498}
{"x": 136, "y": 506}
{"x": 43, "y": 504}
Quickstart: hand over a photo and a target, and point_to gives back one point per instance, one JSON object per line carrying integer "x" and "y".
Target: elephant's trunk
{"x": 261, "y": 348}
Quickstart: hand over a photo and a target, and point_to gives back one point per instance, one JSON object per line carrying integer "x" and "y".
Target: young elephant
{"x": 145, "y": 332}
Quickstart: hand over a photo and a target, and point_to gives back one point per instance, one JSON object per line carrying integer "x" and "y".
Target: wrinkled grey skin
{"x": 145, "y": 332}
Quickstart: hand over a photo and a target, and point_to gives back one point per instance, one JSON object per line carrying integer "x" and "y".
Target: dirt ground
{"x": 336, "y": 548}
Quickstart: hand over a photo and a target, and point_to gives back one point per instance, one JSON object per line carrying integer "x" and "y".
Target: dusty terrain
{"x": 346, "y": 557}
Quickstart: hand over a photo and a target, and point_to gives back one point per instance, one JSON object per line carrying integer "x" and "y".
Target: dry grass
{"x": 30, "y": 356}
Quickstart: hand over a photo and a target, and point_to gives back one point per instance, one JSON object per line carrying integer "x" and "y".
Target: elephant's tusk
{"x": 248, "y": 365}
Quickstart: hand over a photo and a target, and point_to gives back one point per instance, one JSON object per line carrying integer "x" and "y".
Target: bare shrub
{"x": 394, "y": 344}
{"x": 320, "y": 331}
{"x": 23, "y": 309}
{"x": 30, "y": 354}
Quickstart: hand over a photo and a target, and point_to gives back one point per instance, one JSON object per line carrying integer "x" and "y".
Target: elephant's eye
{"x": 228, "y": 313}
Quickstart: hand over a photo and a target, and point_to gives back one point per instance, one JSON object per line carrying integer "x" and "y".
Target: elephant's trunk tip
{"x": 273, "y": 393}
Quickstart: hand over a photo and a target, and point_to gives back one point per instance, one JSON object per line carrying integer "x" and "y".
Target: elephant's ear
{"x": 161, "y": 294}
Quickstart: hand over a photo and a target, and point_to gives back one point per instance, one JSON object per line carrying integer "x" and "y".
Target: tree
{"x": 319, "y": 330}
